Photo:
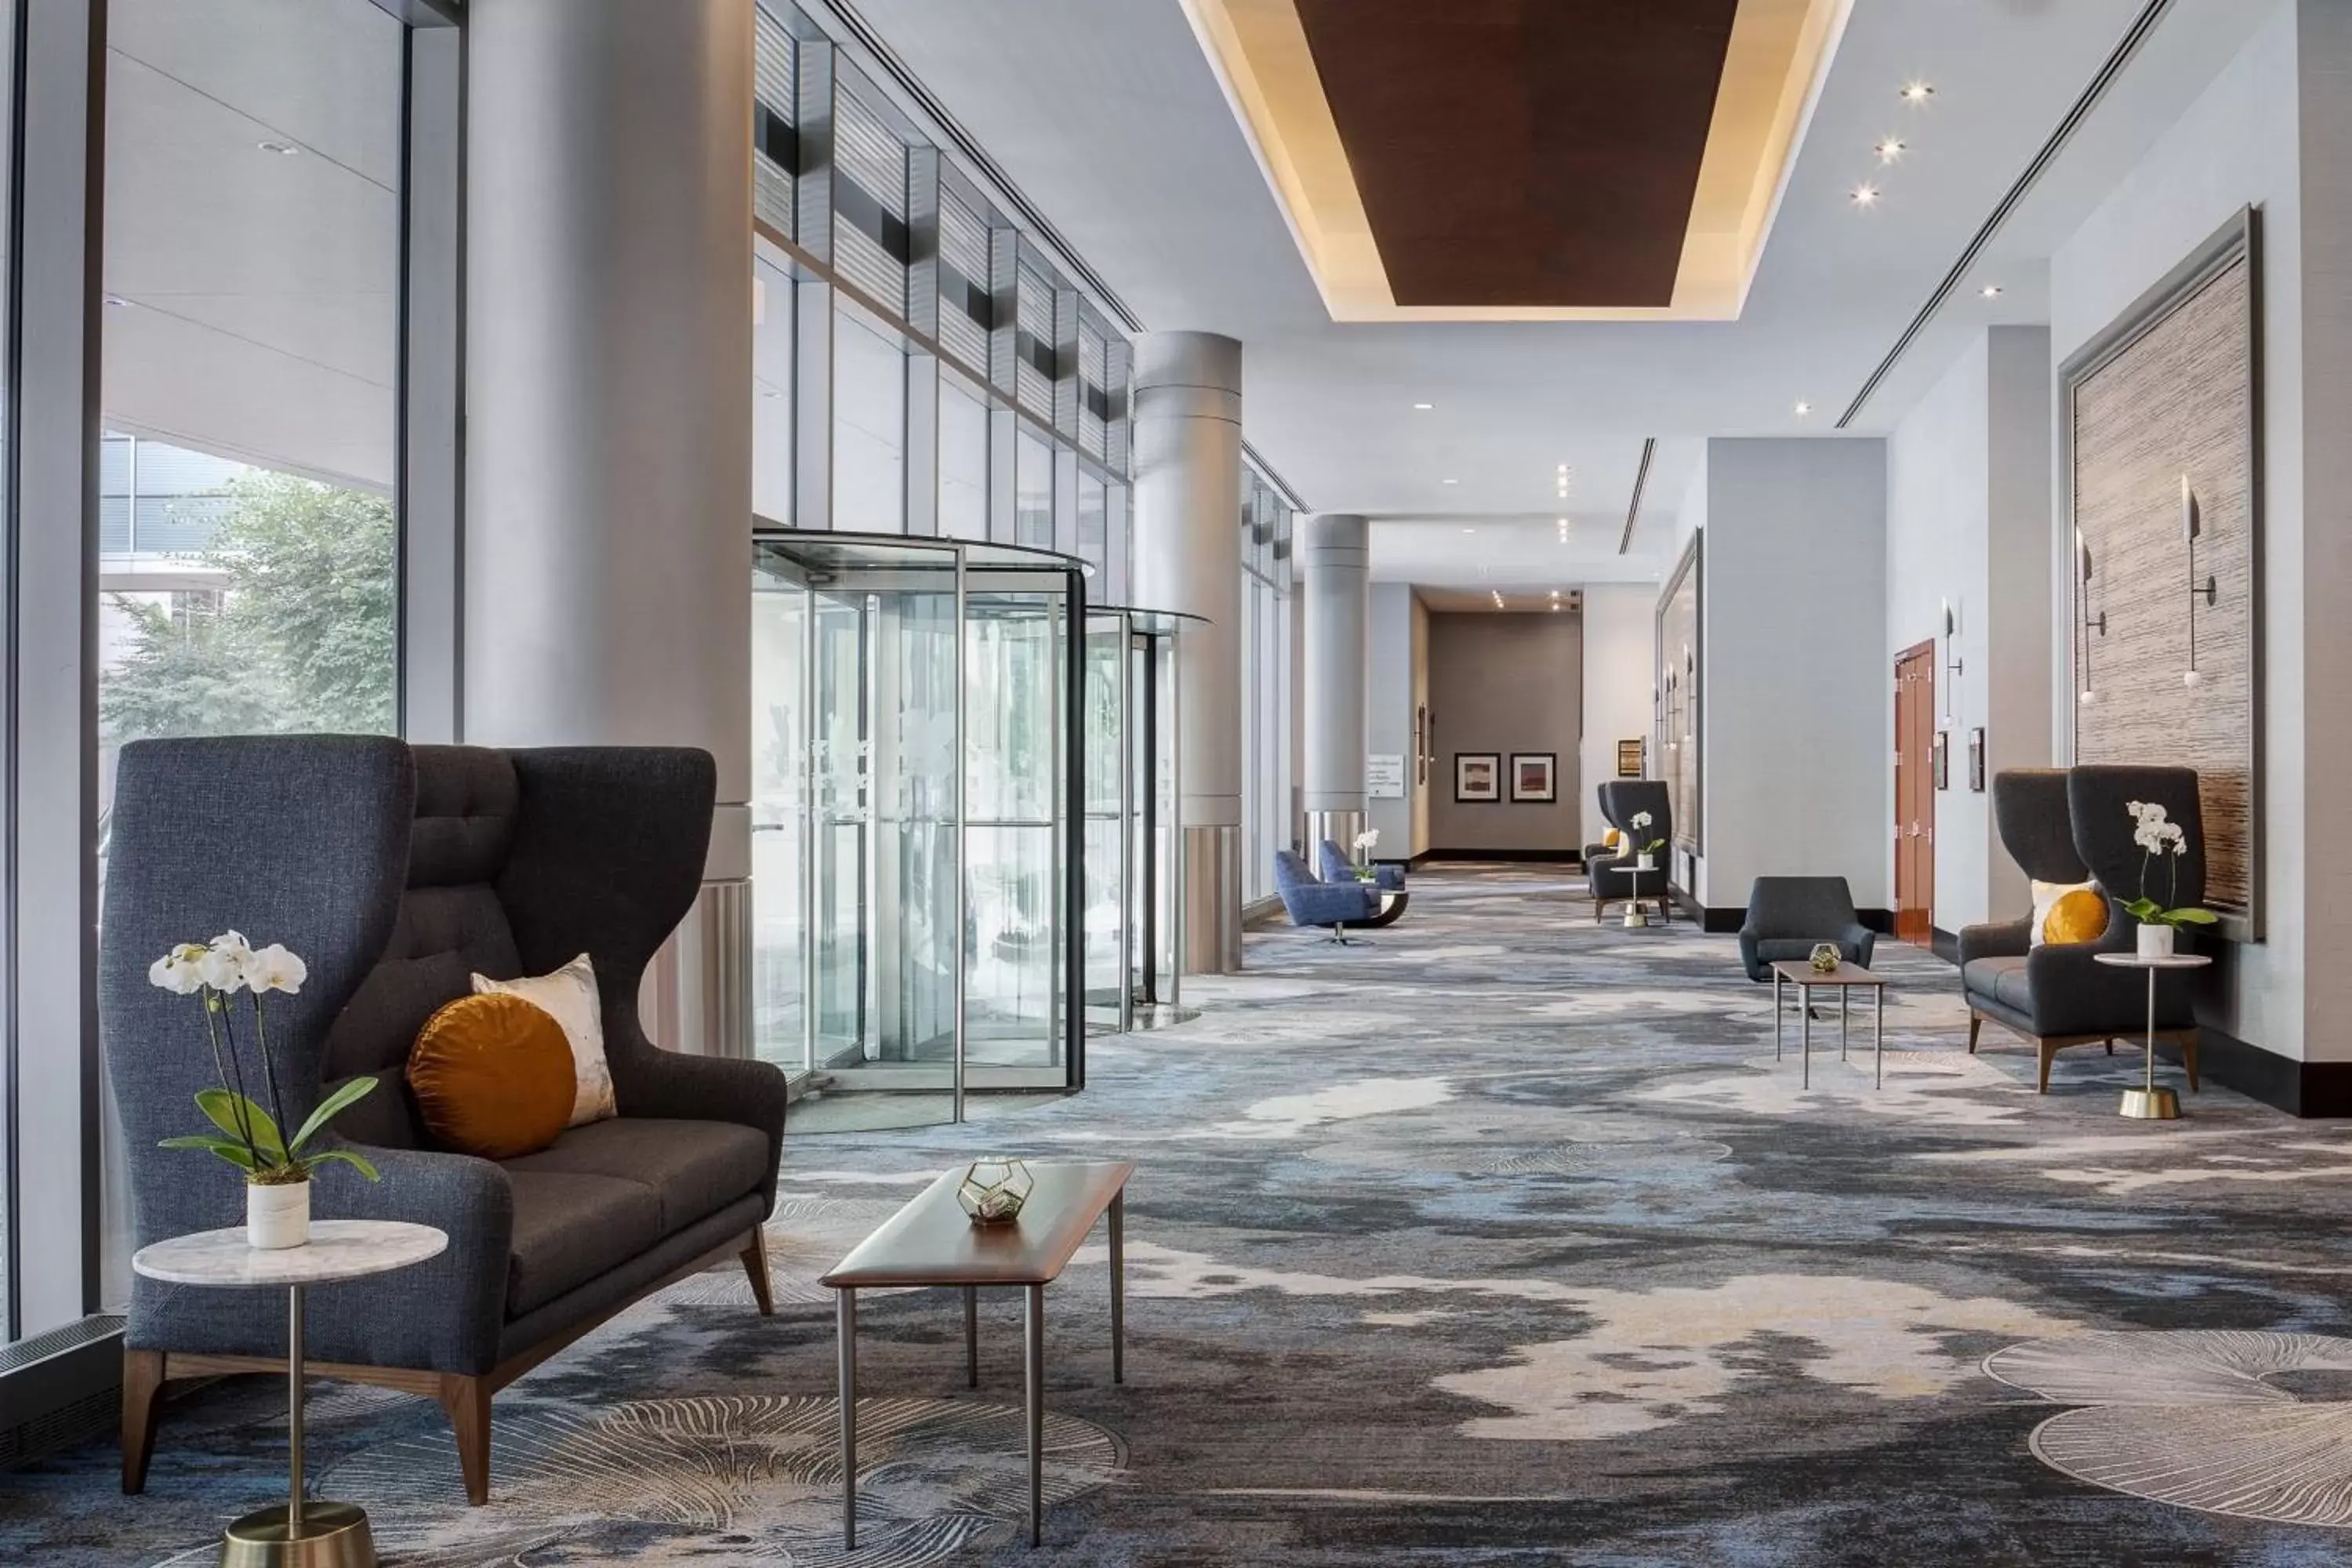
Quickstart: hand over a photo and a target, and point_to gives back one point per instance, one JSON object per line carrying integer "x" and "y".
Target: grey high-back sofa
{"x": 397, "y": 872}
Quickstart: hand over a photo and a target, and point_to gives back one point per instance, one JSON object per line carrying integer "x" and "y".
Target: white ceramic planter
{"x": 1646, "y": 862}
{"x": 276, "y": 1216}
{"x": 2155, "y": 941}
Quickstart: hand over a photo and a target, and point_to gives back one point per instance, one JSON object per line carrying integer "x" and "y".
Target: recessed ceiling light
{"x": 1449, "y": 481}
{"x": 1890, "y": 149}
{"x": 283, "y": 149}
{"x": 1917, "y": 92}
{"x": 1865, "y": 194}
{"x": 1469, "y": 531}
{"x": 1424, "y": 407}
{"x": 117, "y": 300}
{"x": 1990, "y": 291}
{"x": 1804, "y": 409}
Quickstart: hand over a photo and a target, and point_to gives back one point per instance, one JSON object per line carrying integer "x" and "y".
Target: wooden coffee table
{"x": 1844, "y": 978}
{"x": 933, "y": 1242}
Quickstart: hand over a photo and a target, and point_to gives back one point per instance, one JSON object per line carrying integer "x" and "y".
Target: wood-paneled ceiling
{"x": 1524, "y": 152}
{"x": 1524, "y": 159}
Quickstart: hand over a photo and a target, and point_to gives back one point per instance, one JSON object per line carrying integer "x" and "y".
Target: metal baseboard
{"x": 61, "y": 1389}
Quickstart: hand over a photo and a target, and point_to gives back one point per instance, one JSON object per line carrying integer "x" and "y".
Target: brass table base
{"x": 2150, "y": 1105}
{"x": 333, "y": 1535}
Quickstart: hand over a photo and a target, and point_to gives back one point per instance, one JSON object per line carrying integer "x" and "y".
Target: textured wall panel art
{"x": 2165, "y": 584}
{"x": 1677, "y": 697}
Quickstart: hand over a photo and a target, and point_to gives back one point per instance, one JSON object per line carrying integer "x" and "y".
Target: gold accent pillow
{"x": 492, "y": 1076}
{"x": 2068, "y": 912}
{"x": 1612, "y": 841}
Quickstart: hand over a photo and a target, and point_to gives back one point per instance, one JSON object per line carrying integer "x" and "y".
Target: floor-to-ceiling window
{"x": 1266, "y": 678}
{"x": 248, "y": 551}
{"x": 923, "y": 366}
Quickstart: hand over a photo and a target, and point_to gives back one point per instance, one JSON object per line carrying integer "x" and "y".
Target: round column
{"x": 1188, "y": 560}
{"x": 1335, "y": 574}
{"x": 608, "y": 463}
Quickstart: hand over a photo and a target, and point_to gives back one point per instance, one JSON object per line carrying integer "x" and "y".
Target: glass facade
{"x": 1267, "y": 697}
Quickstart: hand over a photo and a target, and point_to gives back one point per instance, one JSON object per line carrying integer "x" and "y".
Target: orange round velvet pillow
{"x": 492, "y": 1076}
{"x": 2078, "y": 916}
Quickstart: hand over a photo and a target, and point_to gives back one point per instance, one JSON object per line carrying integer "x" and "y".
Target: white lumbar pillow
{"x": 569, "y": 995}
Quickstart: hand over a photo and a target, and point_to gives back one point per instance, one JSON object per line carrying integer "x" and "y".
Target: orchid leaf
{"x": 228, "y": 1149}
{"x": 2192, "y": 916}
{"x": 346, "y": 1157}
{"x": 330, "y": 1107}
{"x": 238, "y": 1117}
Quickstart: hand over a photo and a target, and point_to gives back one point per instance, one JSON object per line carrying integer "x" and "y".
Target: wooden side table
{"x": 1844, "y": 979}
{"x": 933, "y": 1241}
{"x": 2147, "y": 1102}
{"x": 303, "y": 1533}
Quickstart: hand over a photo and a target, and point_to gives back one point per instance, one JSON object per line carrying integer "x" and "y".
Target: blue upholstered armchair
{"x": 1338, "y": 868}
{"x": 1312, "y": 903}
{"x": 1788, "y": 915}
{"x": 1611, "y": 878}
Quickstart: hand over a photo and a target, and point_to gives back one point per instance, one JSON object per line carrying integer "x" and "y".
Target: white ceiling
{"x": 1134, "y": 154}
{"x": 258, "y": 291}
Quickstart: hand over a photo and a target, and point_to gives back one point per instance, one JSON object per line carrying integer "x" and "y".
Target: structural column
{"x": 1335, "y": 569}
{"x": 608, "y": 463}
{"x": 1188, "y": 559}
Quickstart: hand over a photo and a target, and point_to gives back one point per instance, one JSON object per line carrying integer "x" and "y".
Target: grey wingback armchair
{"x": 397, "y": 872}
{"x": 1611, "y": 876}
{"x": 2069, "y": 824}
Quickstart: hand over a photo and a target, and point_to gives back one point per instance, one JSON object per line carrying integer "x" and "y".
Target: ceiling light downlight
{"x": 1990, "y": 291}
{"x": 1864, "y": 194}
{"x": 1424, "y": 407}
{"x": 1917, "y": 92}
{"x": 1803, "y": 408}
{"x": 1890, "y": 149}
{"x": 283, "y": 149}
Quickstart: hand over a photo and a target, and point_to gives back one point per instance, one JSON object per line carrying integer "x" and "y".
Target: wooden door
{"x": 1915, "y": 794}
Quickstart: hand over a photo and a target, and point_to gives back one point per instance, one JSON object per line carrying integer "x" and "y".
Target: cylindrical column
{"x": 1334, "y": 561}
{"x": 1188, "y": 559}
{"x": 608, "y": 465}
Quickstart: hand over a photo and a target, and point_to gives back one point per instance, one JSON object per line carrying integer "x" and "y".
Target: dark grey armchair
{"x": 396, "y": 872}
{"x": 1611, "y": 876}
{"x": 1789, "y": 916}
{"x": 2069, "y": 824}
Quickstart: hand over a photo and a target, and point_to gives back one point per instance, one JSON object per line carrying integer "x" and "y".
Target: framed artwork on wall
{"x": 1977, "y": 760}
{"x": 1943, "y": 759}
{"x": 1423, "y": 744}
{"x": 1532, "y": 780}
{"x": 1628, "y": 759}
{"x": 1477, "y": 777}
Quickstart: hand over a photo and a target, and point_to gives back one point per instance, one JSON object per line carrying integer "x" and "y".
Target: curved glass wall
{"x": 916, "y": 863}
{"x": 1128, "y": 925}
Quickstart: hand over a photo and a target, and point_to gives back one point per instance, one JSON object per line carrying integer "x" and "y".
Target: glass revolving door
{"x": 1130, "y": 926}
{"x": 913, "y": 822}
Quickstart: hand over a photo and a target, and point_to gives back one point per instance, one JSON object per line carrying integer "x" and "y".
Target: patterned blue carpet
{"x": 1504, "y": 1241}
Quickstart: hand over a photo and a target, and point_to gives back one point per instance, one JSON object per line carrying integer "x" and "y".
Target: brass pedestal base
{"x": 1637, "y": 918}
{"x": 334, "y": 1535}
{"x": 2151, "y": 1105}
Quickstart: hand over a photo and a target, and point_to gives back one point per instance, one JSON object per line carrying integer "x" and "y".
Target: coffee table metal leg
{"x": 1779, "y": 1028}
{"x": 845, "y": 1329}
{"x": 1805, "y": 1032}
{"x": 971, "y": 1336}
{"x": 1844, "y": 992}
{"x": 1118, "y": 1288}
{"x": 1035, "y": 1389}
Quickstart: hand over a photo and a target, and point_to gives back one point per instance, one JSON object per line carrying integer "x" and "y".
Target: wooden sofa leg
{"x": 143, "y": 1389}
{"x": 755, "y": 1264}
{"x": 467, "y": 1402}
{"x": 2111, "y": 1045}
{"x": 2049, "y": 1053}
{"x": 1976, "y": 1028}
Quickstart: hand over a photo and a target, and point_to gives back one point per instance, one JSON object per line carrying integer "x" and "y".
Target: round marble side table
{"x": 303, "y": 1533}
{"x": 2147, "y": 1102}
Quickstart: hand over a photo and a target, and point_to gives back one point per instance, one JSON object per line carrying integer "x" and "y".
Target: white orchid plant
{"x": 1366, "y": 842}
{"x": 2158, "y": 837}
{"x": 1641, "y": 820}
{"x": 250, "y": 1135}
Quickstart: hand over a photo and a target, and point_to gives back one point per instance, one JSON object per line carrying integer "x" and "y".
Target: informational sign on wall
{"x": 1384, "y": 776}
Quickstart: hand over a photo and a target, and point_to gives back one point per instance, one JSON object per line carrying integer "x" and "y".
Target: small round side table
{"x": 2147, "y": 1102}
{"x": 303, "y": 1533}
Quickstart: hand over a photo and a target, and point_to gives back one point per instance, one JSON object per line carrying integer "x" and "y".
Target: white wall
{"x": 2241, "y": 143}
{"x": 1969, "y": 523}
{"x": 1795, "y": 706}
{"x": 1620, "y": 667}
{"x": 1389, "y": 697}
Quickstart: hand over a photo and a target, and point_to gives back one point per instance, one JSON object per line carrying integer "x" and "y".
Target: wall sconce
{"x": 2090, "y": 624}
{"x": 1952, "y": 665}
{"x": 2192, "y": 527}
